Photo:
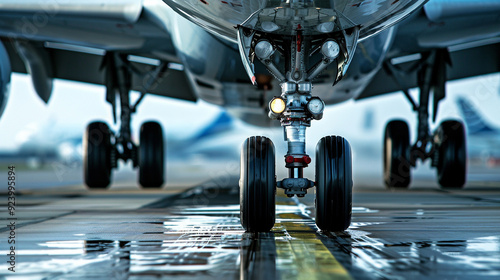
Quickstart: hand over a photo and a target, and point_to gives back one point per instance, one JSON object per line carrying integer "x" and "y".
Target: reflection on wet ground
{"x": 417, "y": 234}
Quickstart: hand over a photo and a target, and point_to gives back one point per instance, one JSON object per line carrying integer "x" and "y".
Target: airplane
{"x": 259, "y": 60}
{"x": 484, "y": 138}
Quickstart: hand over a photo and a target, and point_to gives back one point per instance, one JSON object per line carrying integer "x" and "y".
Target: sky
{"x": 73, "y": 105}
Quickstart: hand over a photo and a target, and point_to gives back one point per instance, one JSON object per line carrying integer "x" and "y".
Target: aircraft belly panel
{"x": 124, "y": 10}
{"x": 220, "y": 17}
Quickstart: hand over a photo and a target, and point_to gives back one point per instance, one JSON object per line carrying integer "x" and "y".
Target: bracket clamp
{"x": 295, "y": 186}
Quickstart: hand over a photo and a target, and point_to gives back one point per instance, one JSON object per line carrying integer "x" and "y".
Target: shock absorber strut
{"x": 292, "y": 110}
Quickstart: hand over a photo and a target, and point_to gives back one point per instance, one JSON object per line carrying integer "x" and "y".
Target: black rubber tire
{"x": 151, "y": 156}
{"x": 397, "y": 167}
{"x": 258, "y": 184}
{"x": 452, "y": 155}
{"x": 97, "y": 155}
{"x": 333, "y": 184}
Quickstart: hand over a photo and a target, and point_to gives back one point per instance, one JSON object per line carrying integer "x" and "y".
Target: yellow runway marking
{"x": 301, "y": 255}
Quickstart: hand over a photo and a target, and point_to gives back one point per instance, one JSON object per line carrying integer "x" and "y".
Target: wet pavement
{"x": 422, "y": 233}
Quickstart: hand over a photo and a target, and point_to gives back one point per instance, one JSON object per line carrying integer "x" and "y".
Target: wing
{"x": 470, "y": 33}
{"x": 68, "y": 40}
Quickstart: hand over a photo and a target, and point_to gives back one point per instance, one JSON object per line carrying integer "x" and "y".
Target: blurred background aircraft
{"x": 48, "y": 137}
{"x": 484, "y": 138}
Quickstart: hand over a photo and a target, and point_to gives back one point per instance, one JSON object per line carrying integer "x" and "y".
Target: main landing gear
{"x": 287, "y": 57}
{"x": 446, "y": 147}
{"x": 102, "y": 148}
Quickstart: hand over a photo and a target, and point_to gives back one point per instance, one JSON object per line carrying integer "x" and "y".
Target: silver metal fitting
{"x": 295, "y": 135}
{"x": 288, "y": 87}
{"x": 305, "y": 87}
{"x": 264, "y": 50}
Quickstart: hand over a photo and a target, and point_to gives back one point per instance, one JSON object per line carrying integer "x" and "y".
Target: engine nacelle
{"x": 437, "y": 10}
{"x": 5, "y": 71}
{"x": 38, "y": 65}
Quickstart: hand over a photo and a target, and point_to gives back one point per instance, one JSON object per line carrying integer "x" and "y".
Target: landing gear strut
{"x": 445, "y": 147}
{"x": 295, "y": 60}
{"x": 103, "y": 148}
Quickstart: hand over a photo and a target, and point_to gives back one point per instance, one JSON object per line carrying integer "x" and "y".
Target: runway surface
{"x": 195, "y": 233}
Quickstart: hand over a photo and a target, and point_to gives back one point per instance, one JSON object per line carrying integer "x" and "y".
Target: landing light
{"x": 277, "y": 105}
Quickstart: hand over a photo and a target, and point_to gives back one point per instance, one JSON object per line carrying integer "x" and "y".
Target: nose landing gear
{"x": 295, "y": 109}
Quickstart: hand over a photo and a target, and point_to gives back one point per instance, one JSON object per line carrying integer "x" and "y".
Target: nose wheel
{"x": 333, "y": 184}
{"x": 257, "y": 184}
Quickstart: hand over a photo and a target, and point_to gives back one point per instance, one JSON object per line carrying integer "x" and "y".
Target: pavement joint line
{"x": 20, "y": 225}
{"x": 465, "y": 196}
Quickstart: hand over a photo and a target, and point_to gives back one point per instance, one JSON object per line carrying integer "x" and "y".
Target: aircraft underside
{"x": 295, "y": 42}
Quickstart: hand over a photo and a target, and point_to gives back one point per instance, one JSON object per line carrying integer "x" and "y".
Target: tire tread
{"x": 151, "y": 155}
{"x": 97, "y": 158}
{"x": 397, "y": 172}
